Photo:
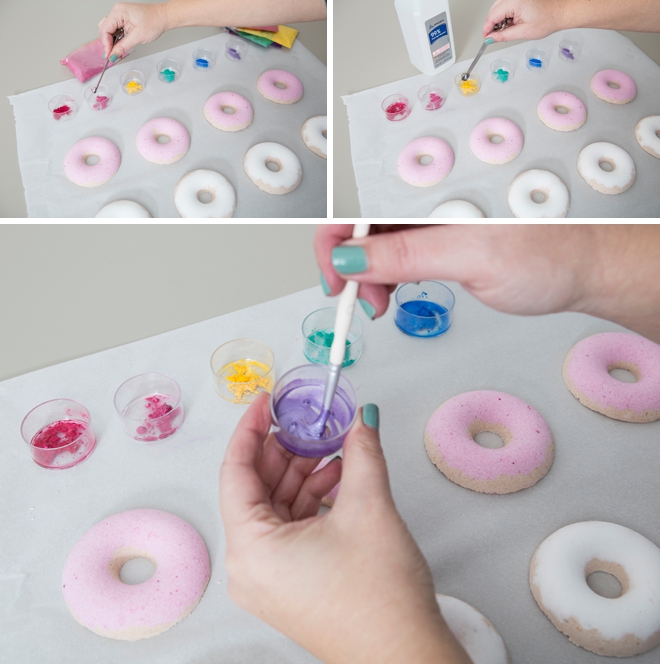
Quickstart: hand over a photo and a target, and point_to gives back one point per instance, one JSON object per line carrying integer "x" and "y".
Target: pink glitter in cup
{"x": 396, "y": 107}
{"x": 98, "y": 100}
{"x": 62, "y": 107}
{"x": 432, "y": 97}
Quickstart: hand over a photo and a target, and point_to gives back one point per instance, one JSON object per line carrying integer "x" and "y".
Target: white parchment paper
{"x": 478, "y": 546}
{"x": 376, "y": 142}
{"x": 43, "y": 142}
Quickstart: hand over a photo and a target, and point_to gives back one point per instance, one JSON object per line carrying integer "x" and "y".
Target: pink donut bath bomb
{"x": 624, "y": 92}
{"x": 269, "y": 85}
{"x": 100, "y": 601}
{"x": 240, "y": 117}
{"x": 163, "y": 153}
{"x": 528, "y": 450}
{"x": 414, "y": 172}
{"x": 496, "y": 153}
{"x": 80, "y": 172}
{"x": 586, "y": 374}
{"x": 551, "y": 117}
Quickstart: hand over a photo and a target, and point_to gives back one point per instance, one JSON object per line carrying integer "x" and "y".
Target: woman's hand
{"x": 531, "y": 19}
{"x": 349, "y": 586}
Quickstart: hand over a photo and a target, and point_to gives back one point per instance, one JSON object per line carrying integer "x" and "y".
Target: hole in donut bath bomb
{"x": 561, "y": 109}
{"x": 626, "y": 373}
{"x": 281, "y": 86}
{"x": 489, "y": 439}
{"x": 538, "y": 196}
{"x": 614, "y": 85}
{"x": 489, "y": 434}
{"x": 205, "y": 197}
{"x": 92, "y": 159}
{"x": 137, "y": 570}
{"x": 229, "y": 110}
{"x": 424, "y": 159}
{"x": 606, "y": 165}
{"x": 496, "y": 138}
{"x": 273, "y": 165}
{"x": 606, "y": 579}
{"x": 163, "y": 139}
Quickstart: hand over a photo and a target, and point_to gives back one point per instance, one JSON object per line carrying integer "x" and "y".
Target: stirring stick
{"x": 502, "y": 25}
{"x": 117, "y": 34}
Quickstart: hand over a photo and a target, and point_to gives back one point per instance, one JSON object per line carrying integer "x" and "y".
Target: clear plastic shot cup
{"x": 468, "y": 88}
{"x": 242, "y": 369}
{"x": 501, "y": 71}
{"x": 297, "y": 402}
{"x": 569, "y": 50}
{"x": 318, "y": 333}
{"x": 424, "y": 309}
{"x": 149, "y": 407}
{"x": 536, "y": 60}
{"x": 59, "y": 433}
{"x": 236, "y": 50}
{"x": 203, "y": 59}
{"x": 432, "y": 97}
{"x": 132, "y": 82}
{"x": 396, "y": 107}
{"x": 168, "y": 71}
{"x": 99, "y": 100}
{"x": 63, "y": 108}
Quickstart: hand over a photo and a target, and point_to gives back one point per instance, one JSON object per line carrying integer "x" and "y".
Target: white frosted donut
{"x": 616, "y": 181}
{"x": 156, "y": 152}
{"x": 478, "y": 636}
{"x": 620, "y": 627}
{"x": 286, "y": 179}
{"x": 202, "y": 181}
{"x": 457, "y": 209}
{"x": 123, "y": 210}
{"x": 522, "y": 189}
{"x": 647, "y": 133}
{"x": 313, "y": 136}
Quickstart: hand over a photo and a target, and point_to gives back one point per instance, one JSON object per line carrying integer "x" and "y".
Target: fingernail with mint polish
{"x": 105, "y": 55}
{"x": 349, "y": 260}
{"x": 114, "y": 58}
{"x": 324, "y": 284}
{"x": 368, "y": 308}
{"x": 370, "y": 415}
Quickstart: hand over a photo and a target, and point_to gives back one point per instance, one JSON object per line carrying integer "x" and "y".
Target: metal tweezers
{"x": 496, "y": 28}
{"x": 117, "y": 34}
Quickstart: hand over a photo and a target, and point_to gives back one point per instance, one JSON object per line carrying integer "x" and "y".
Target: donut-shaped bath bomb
{"x": 228, "y": 111}
{"x": 496, "y": 153}
{"x": 457, "y": 210}
{"x": 647, "y": 133}
{"x": 622, "y": 90}
{"x": 478, "y": 636}
{"x": 80, "y": 172}
{"x": 176, "y": 146}
{"x": 291, "y": 89}
{"x": 586, "y": 374}
{"x": 188, "y": 195}
{"x": 574, "y": 118}
{"x": 538, "y": 181}
{"x": 314, "y": 134}
{"x": 621, "y": 627}
{"x": 414, "y": 172}
{"x": 123, "y": 210}
{"x": 100, "y": 601}
{"x": 528, "y": 449}
{"x": 616, "y": 181}
{"x": 282, "y": 181}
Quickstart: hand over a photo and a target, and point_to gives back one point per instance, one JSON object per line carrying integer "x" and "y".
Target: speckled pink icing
{"x": 292, "y": 91}
{"x": 239, "y": 119}
{"x": 163, "y": 153}
{"x": 528, "y": 449}
{"x": 547, "y": 111}
{"x": 412, "y": 172}
{"x": 85, "y": 175}
{"x": 593, "y": 357}
{"x": 626, "y": 91}
{"x": 103, "y": 603}
{"x": 496, "y": 153}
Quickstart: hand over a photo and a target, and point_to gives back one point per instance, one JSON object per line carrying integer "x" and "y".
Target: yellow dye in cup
{"x": 469, "y": 87}
{"x": 246, "y": 378}
{"x": 133, "y": 87}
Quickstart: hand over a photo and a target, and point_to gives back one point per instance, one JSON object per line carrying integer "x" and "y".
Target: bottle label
{"x": 436, "y": 29}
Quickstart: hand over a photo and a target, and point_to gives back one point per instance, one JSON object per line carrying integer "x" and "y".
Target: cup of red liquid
{"x": 396, "y": 107}
{"x": 59, "y": 433}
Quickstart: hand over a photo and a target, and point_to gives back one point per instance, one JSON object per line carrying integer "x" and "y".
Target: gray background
{"x": 362, "y": 61}
{"x": 36, "y": 34}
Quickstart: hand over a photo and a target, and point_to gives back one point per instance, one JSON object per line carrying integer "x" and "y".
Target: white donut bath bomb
{"x": 621, "y": 627}
{"x": 100, "y": 601}
{"x": 217, "y": 107}
{"x": 314, "y": 134}
{"x": 457, "y": 209}
{"x": 586, "y": 374}
{"x": 194, "y": 185}
{"x": 616, "y": 181}
{"x": 521, "y": 190}
{"x": 283, "y": 181}
{"x": 647, "y": 133}
{"x": 478, "y": 636}
{"x": 123, "y": 210}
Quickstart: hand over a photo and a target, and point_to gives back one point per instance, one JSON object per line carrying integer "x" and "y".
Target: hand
{"x": 349, "y": 586}
{"x": 532, "y": 19}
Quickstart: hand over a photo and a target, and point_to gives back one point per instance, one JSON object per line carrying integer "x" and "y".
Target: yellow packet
{"x": 284, "y": 35}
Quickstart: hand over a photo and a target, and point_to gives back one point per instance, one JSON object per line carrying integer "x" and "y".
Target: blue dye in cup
{"x": 535, "y": 62}
{"x": 201, "y": 62}
{"x": 424, "y": 309}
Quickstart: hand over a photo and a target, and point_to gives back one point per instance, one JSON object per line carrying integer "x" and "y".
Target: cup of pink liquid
{"x": 59, "y": 433}
{"x": 149, "y": 407}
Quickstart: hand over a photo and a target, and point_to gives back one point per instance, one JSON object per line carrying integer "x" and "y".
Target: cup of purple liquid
{"x": 424, "y": 309}
{"x": 296, "y": 404}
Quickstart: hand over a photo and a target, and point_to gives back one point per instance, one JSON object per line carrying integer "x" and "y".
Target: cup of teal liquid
{"x": 424, "y": 309}
{"x": 318, "y": 335}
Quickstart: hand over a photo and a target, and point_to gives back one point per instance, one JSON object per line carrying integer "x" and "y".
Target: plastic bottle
{"x": 426, "y": 27}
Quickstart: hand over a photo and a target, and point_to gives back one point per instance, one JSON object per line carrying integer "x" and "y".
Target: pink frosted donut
{"x": 289, "y": 94}
{"x": 625, "y": 89}
{"x": 586, "y": 374}
{"x": 80, "y": 172}
{"x": 100, "y": 601}
{"x": 217, "y": 105}
{"x": 414, "y": 172}
{"x": 528, "y": 449}
{"x": 551, "y": 117}
{"x": 496, "y": 153}
{"x": 163, "y": 153}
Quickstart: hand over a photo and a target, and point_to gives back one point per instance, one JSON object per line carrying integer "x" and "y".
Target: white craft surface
{"x": 377, "y": 142}
{"x": 478, "y": 546}
{"x": 43, "y": 142}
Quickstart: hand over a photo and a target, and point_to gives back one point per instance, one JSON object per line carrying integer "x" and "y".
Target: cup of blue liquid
{"x": 296, "y": 404}
{"x": 424, "y": 309}
{"x": 318, "y": 333}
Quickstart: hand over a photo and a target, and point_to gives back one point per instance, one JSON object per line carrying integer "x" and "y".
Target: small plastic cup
{"x": 149, "y": 407}
{"x": 467, "y": 88}
{"x": 168, "y": 71}
{"x": 132, "y": 82}
{"x": 59, "y": 433}
{"x": 569, "y": 50}
{"x": 536, "y": 59}
{"x": 318, "y": 331}
{"x": 431, "y": 96}
{"x": 424, "y": 309}
{"x": 242, "y": 369}
{"x": 501, "y": 71}
{"x": 297, "y": 402}
{"x": 235, "y": 50}
{"x": 63, "y": 108}
{"x": 396, "y": 107}
{"x": 99, "y": 100}
{"x": 203, "y": 59}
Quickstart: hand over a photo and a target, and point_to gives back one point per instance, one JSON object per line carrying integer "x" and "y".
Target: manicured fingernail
{"x": 105, "y": 55}
{"x": 368, "y": 308}
{"x": 349, "y": 260}
{"x": 324, "y": 284}
{"x": 489, "y": 41}
{"x": 114, "y": 58}
{"x": 335, "y": 458}
{"x": 370, "y": 415}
